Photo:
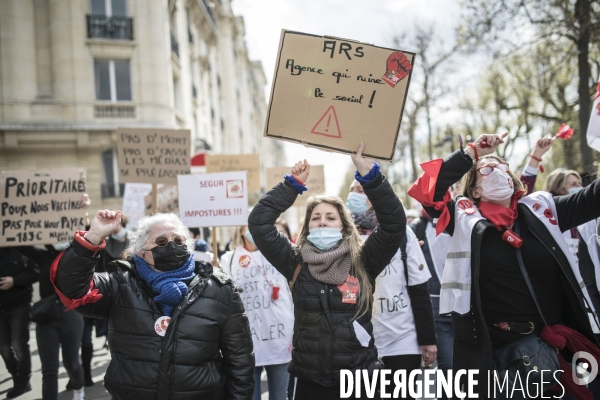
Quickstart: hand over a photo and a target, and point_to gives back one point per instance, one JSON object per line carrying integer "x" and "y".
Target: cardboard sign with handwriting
{"x": 41, "y": 207}
{"x": 236, "y": 162}
{"x": 133, "y": 202}
{"x": 153, "y": 155}
{"x": 315, "y": 182}
{"x": 334, "y": 93}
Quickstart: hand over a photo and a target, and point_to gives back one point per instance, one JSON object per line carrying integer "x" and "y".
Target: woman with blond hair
{"x": 332, "y": 274}
{"x": 509, "y": 279}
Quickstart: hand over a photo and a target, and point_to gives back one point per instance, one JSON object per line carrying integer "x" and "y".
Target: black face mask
{"x": 170, "y": 257}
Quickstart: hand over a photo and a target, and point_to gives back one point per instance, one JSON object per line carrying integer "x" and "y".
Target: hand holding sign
{"x": 103, "y": 224}
{"x": 363, "y": 165}
{"x": 301, "y": 170}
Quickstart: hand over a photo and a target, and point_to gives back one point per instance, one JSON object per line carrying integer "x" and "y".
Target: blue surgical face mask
{"x": 357, "y": 203}
{"x": 120, "y": 235}
{"x": 249, "y": 237}
{"x": 575, "y": 190}
{"x": 324, "y": 238}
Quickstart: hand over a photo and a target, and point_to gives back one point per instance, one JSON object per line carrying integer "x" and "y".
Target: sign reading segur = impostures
{"x": 41, "y": 207}
{"x": 334, "y": 93}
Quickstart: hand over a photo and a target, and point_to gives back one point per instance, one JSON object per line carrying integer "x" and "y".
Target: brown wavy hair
{"x": 470, "y": 179}
{"x": 349, "y": 234}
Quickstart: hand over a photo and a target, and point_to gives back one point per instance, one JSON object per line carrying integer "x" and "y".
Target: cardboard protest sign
{"x": 333, "y": 93}
{"x": 167, "y": 199}
{"x": 219, "y": 199}
{"x": 133, "y": 202}
{"x": 236, "y": 162}
{"x": 315, "y": 182}
{"x": 41, "y": 207}
{"x": 153, "y": 155}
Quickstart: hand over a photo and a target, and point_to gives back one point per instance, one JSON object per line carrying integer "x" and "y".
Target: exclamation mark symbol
{"x": 328, "y": 121}
{"x": 372, "y": 98}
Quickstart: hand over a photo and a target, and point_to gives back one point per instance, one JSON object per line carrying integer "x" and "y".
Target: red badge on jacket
{"x": 548, "y": 214}
{"x": 349, "y": 290}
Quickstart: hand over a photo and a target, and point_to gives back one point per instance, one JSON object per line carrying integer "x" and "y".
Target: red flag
{"x": 565, "y": 132}
{"x": 423, "y": 190}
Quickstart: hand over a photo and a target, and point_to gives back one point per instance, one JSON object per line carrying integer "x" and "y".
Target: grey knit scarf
{"x": 331, "y": 266}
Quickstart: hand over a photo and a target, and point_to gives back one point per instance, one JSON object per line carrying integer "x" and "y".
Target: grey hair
{"x": 145, "y": 224}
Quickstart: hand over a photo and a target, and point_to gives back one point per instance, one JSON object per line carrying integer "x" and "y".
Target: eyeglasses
{"x": 162, "y": 241}
{"x": 485, "y": 171}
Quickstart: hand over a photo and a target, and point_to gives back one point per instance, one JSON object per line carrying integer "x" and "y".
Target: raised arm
{"x": 383, "y": 243}
{"x": 275, "y": 246}
{"x": 72, "y": 272}
{"x": 578, "y": 208}
{"x": 431, "y": 189}
{"x": 529, "y": 174}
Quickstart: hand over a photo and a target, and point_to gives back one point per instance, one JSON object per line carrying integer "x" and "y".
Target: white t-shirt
{"x": 393, "y": 320}
{"x": 271, "y": 321}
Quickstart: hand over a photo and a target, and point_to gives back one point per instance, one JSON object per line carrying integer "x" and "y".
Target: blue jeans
{"x": 14, "y": 340}
{"x": 277, "y": 377}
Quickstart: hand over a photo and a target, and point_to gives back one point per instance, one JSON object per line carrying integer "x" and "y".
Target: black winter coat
{"x": 24, "y": 274}
{"x": 472, "y": 343}
{"x": 324, "y": 338}
{"x": 206, "y": 352}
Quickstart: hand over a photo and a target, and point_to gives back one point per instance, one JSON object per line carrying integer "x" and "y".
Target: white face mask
{"x": 497, "y": 186}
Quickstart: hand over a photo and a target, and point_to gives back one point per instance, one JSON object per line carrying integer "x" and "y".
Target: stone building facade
{"x": 72, "y": 71}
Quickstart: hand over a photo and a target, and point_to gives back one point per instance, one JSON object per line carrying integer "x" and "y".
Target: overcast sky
{"x": 373, "y": 21}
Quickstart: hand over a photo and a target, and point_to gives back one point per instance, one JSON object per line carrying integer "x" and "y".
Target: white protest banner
{"x": 153, "y": 155}
{"x": 41, "y": 207}
{"x": 133, "y": 202}
{"x": 334, "y": 93}
{"x": 217, "y": 199}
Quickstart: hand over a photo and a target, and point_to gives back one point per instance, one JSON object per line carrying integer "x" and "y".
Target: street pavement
{"x": 99, "y": 365}
{"x": 96, "y": 392}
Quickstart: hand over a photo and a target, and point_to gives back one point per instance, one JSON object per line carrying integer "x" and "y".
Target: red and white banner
{"x": 593, "y": 130}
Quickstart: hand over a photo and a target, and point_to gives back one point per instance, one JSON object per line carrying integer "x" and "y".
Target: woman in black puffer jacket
{"x": 176, "y": 330}
{"x": 333, "y": 273}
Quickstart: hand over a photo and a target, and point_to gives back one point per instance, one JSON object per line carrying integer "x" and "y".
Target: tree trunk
{"x": 582, "y": 13}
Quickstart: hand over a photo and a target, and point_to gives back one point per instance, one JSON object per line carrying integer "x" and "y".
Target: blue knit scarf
{"x": 169, "y": 286}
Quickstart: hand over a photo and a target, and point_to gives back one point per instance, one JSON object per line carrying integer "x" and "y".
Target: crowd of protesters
{"x": 365, "y": 284}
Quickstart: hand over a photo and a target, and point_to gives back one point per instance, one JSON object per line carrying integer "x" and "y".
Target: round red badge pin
{"x": 161, "y": 325}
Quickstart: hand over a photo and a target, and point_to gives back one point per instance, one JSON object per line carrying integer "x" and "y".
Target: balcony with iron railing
{"x": 106, "y": 27}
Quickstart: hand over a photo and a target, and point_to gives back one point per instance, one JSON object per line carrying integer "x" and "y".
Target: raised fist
{"x": 398, "y": 66}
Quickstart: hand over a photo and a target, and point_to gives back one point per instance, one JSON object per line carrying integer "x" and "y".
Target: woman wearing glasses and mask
{"x": 497, "y": 233}
{"x": 333, "y": 274}
{"x": 177, "y": 328}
